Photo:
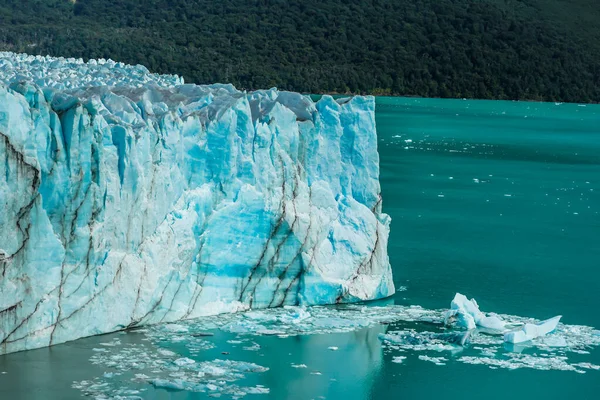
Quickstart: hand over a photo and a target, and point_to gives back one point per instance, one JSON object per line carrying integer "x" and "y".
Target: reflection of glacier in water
{"x": 239, "y": 354}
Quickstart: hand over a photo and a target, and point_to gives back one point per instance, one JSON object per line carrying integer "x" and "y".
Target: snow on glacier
{"x": 130, "y": 198}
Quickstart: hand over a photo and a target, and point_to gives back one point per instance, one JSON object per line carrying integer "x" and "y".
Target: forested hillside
{"x": 501, "y": 49}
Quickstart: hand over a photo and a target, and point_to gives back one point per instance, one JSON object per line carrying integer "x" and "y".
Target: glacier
{"x": 130, "y": 198}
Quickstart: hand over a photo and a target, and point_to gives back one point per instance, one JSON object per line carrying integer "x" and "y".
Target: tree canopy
{"x": 498, "y": 49}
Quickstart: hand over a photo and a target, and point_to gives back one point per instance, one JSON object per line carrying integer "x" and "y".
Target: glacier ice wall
{"x": 129, "y": 198}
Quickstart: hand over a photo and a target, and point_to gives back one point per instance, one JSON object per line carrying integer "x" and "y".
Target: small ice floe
{"x": 398, "y": 359}
{"x": 410, "y": 339}
{"x": 184, "y": 361}
{"x": 294, "y": 315}
{"x": 587, "y": 365}
{"x": 531, "y": 331}
{"x": 465, "y": 313}
{"x": 175, "y": 328}
{"x": 258, "y": 389}
{"x": 299, "y": 365}
{"x": 517, "y": 361}
{"x": 333, "y": 348}
{"x": 435, "y": 360}
{"x": 489, "y": 352}
{"x": 115, "y": 342}
{"x": 554, "y": 341}
{"x": 270, "y": 332}
{"x": 255, "y": 347}
{"x": 408, "y": 141}
{"x": 202, "y": 334}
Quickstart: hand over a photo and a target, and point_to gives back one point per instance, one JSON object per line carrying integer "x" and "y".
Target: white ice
{"x": 465, "y": 313}
{"x": 130, "y": 199}
{"x": 531, "y": 331}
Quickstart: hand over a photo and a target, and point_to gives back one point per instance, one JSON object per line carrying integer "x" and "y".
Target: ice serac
{"x": 129, "y": 198}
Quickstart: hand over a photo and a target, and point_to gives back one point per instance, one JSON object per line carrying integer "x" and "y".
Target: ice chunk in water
{"x": 427, "y": 340}
{"x": 465, "y": 313}
{"x": 532, "y": 331}
{"x": 183, "y": 361}
{"x": 435, "y": 360}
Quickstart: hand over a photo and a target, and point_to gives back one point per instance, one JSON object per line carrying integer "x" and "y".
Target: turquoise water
{"x": 534, "y": 253}
{"x": 519, "y": 222}
{"x": 497, "y": 200}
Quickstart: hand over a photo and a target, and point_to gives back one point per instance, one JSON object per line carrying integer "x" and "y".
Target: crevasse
{"x": 129, "y": 198}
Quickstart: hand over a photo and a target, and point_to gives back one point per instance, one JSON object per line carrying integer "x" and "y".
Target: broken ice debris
{"x": 465, "y": 313}
{"x": 429, "y": 339}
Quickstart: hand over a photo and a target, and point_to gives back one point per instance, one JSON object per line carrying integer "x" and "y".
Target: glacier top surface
{"x": 70, "y": 73}
{"x": 135, "y": 90}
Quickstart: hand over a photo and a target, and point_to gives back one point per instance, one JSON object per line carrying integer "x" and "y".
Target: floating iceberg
{"x": 532, "y": 331}
{"x": 465, "y": 313}
{"x": 130, "y": 199}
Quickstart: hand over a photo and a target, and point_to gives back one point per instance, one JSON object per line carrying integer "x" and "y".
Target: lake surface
{"x": 497, "y": 200}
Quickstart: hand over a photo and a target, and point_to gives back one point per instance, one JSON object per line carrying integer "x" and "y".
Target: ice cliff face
{"x": 129, "y": 198}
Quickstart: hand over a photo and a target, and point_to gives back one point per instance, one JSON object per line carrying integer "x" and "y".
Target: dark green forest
{"x": 497, "y": 49}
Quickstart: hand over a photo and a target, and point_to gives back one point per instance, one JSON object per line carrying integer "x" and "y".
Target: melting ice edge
{"x": 155, "y": 360}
